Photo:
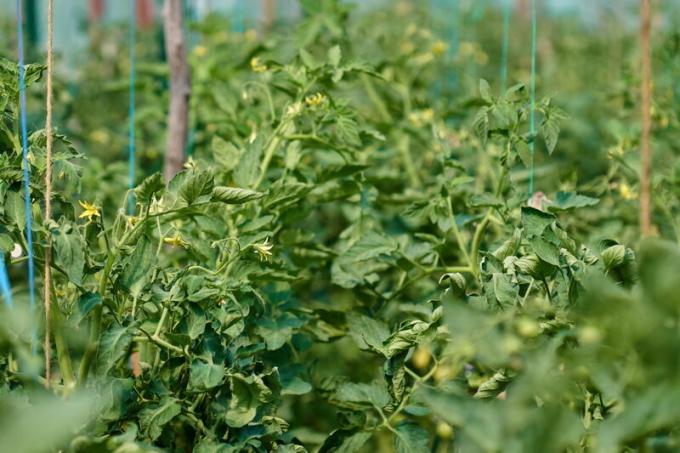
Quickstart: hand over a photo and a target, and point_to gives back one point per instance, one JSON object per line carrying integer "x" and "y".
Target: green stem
{"x": 481, "y": 228}
{"x": 457, "y": 234}
{"x": 272, "y": 145}
{"x": 95, "y": 325}
{"x": 376, "y": 99}
{"x": 407, "y": 158}
{"x": 63, "y": 354}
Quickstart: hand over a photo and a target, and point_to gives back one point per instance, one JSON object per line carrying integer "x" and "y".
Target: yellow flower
{"x": 190, "y": 164}
{"x": 315, "y": 100}
{"x": 89, "y": 210}
{"x": 439, "y": 48}
{"x": 264, "y": 250}
{"x": 200, "y": 51}
{"x": 257, "y": 66}
{"x": 176, "y": 241}
{"x": 132, "y": 220}
{"x": 626, "y": 192}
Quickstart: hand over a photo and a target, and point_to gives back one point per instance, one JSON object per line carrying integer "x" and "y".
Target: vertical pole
{"x": 532, "y": 113}
{"x": 646, "y": 105}
{"x": 48, "y": 192}
{"x": 131, "y": 108}
{"x": 180, "y": 88}
{"x": 268, "y": 13}
{"x": 26, "y": 170}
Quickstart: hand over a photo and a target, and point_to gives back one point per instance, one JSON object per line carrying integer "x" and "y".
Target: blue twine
{"x": 131, "y": 112}
{"x": 26, "y": 165}
{"x": 5, "y": 287}
{"x": 532, "y": 114}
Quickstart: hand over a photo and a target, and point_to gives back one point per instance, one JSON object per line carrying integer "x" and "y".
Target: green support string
{"x": 532, "y": 90}
{"x": 505, "y": 46}
{"x": 131, "y": 113}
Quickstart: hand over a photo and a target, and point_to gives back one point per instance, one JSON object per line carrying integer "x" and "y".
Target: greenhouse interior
{"x": 371, "y": 226}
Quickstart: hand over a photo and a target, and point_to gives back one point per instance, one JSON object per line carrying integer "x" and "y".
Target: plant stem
{"x": 407, "y": 158}
{"x": 456, "y": 233}
{"x": 63, "y": 354}
{"x": 481, "y": 228}
{"x": 95, "y": 325}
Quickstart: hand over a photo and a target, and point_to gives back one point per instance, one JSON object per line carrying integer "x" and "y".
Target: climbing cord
{"x": 5, "y": 288}
{"x": 131, "y": 108}
{"x": 26, "y": 169}
{"x": 532, "y": 91}
{"x": 48, "y": 190}
{"x": 505, "y": 46}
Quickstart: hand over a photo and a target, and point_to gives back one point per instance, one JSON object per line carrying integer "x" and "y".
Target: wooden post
{"x": 646, "y": 105}
{"x": 268, "y": 13}
{"x": 180, "y": 88}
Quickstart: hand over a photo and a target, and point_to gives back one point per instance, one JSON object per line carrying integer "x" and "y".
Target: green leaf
{"x": 246, "y": 172}
{"x": 153, "y": 418}
{"x": 115, "y": 343}
{"x": 205, "y": 376}
{"x": 234, "y": 195}
{"x": 334, "y": 56}
{"x": 345, "y": 441}
{"x": 368, "y": 333}
{"x": 565, "y": 201}
{"x": 14, "y": 209}
{"x": 86, "y": 303}
{"x": 309, "y": 60}
{"x": 136, "y": 271}
{"x": 149, "y": 187}
{"x": 225, "y": 153}
{"x": 247, "y": 393}
{"x": 69, "y": 252}
{"x": 535, "y": 221}
{"x": 485, "y": 91}
{"x": 196, "y": 188}
{"x": 374, "y": 394}
{"x": 411, "y": 438}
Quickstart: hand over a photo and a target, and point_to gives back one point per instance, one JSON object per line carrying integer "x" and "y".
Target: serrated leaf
{"x": 345, "y": 441}
{"x": 196, "y": 188}
{"x": 234, "y": 195}
{"x": 150, "y": 186}
{"x": 535, "y": 221}
{"x": 115, "y": 343}
{"x": 374, "y": 394}
{"x": 136, "y": 272}
{"x": 69, "y": 252}
{"x": 205, "y": 376}
{"x": 153, "y": 418}
{"x": 411, "y": 438}
{"x": 565, "y": 201}
{"x": 334, "y": 56}
{"x": 368, "y": 333}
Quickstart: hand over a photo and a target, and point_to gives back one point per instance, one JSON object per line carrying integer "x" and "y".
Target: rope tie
{"x": 132, "y": 108}
{"x": 48, "y": 193}
{"x": 26, "y": 168}
{"x": 532, "y": 90}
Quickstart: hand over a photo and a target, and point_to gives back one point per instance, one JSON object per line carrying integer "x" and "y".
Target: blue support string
{"x": 132, "y": 113}
{"x": 5, "y": 287}
{"x": 532, "y": 113}
{"x": 26, "y": 165}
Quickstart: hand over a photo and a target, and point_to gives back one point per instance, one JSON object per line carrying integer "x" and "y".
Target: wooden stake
{"x": 646, "y": 105}
{"x": 180, "y": 87}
